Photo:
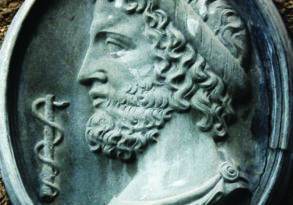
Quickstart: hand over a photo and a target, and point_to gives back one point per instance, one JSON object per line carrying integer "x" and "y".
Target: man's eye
{"x": 115, "y": 48}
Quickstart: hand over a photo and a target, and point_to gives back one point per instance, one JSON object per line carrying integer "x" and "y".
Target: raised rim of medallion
{"x": 283, "y": 136}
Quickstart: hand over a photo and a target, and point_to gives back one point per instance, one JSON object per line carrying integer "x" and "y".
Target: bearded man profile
{"x": 162, "y": 77}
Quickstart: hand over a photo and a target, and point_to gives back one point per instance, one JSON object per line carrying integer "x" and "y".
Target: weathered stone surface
{"x": 85, "y": 78}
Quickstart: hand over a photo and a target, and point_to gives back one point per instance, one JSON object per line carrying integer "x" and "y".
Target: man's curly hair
{"x": 180, "y": 67}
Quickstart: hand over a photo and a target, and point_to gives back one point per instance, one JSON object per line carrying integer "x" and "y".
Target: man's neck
{"x": 183, "y": 158}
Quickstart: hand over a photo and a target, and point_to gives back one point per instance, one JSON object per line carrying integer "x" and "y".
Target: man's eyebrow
{"x": 117, "y": 36}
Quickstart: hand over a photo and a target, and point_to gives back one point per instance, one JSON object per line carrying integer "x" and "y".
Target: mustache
{"x": 141, "y": 95}
{"x": 124, "y": 109}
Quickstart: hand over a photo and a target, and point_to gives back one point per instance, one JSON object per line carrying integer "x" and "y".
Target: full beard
{"x": 127, "y": 124}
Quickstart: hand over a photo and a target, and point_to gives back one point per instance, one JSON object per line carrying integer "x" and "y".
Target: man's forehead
{"x": 106, "y": 6}
{"x": 106, "y": 13}
{"x": 111, "y": 16}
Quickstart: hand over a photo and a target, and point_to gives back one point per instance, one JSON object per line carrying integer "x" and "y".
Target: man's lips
{"x": 97, "y": 97}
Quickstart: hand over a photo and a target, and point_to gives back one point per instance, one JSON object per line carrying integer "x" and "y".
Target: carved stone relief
{"x": 139, "y": 79}
{"x": 45, "y": 148}
{"x": 171, "y": 102}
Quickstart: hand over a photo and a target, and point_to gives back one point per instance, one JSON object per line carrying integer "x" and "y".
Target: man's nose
{"x": 91, "y": 72}
{"x": 98, "y": 76}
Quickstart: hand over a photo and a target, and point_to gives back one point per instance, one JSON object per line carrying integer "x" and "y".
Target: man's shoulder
{"x": 228, "y": 185}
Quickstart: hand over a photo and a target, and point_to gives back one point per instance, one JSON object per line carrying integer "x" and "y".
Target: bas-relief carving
{"x": 45, "y": 149}
{"x": 174, "y": 120}
{"x": 162, "y": 76}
